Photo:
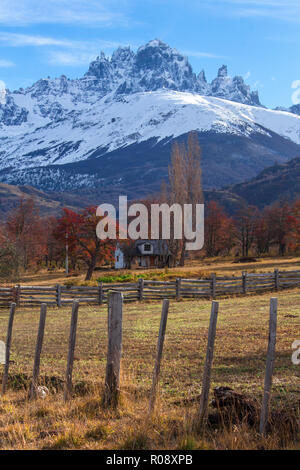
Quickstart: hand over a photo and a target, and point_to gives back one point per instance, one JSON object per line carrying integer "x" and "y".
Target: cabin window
{"x": 147, "y": 247}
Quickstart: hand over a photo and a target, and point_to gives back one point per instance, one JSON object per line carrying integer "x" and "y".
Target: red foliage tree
{"x": 245, "y": 222}
{"x": 280, "y": 223}
{"x": 82, "y": 238}
{"x": 219, "y": 230}
{"x": 26, "y": 231}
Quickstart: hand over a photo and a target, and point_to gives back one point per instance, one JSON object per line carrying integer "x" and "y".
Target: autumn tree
{"x": 82, "y": 238}
{"x": 219, "y": 230}
{"x": 284, "y": 220}
{"x": 185, "y": 177}
{"x": 280, "y": 222}
{"x": 173, "y": 245}
{"x": 7, "y": 254}
{"x": 262, "y": 234}
{"x": 25, "y": 231}
{"x": 54, "y": 249}
{"x": 246, "y": 220}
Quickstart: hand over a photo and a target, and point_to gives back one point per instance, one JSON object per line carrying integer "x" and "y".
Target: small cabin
{"x": 144, "y": 254}
{"x": 119, "y": 258}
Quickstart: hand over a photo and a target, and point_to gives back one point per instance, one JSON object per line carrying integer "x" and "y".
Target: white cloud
{"x": 80, "y": 53}
{"x": 22, "y": 40}
{"x": 2, "y": 93}
{"x": 258, "y": 85}
{"x": 16, "y": 40}
{"x": 62, "y": 51}
{"x": 284, "y": 10}
{"x": 24, "y": 12}
{"x": 200, "y": 54}
{"x": 6, "y": 63}
{"x": 72, "y": 59}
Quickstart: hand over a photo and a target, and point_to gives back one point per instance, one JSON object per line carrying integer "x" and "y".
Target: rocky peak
{"x": 223, "y": 72}
{"x": 100, "y": 68}
{"x": 153, "y": 67}
{"x": 11, "y": 114}
{"x": 254, "y": 98}
{"x": 157, "y": 66}
{"x": 233, "y": 88}
{"x": 202, "y": 77}
{"x": 295, "y": 109}
{"x": 122, "y": 56}
{"x": 157, "y": 54}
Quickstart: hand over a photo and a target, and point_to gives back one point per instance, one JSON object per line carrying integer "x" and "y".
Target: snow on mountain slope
{"x": 115, "y": 123}
{"x": 133, "y": 101}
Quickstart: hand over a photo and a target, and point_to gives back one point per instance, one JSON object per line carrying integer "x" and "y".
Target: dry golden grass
{"x": 194, "y": 268}
{"x": 240, "y": 353}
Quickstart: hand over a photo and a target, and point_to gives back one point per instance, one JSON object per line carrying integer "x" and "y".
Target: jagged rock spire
{"x": 157, "y": 66}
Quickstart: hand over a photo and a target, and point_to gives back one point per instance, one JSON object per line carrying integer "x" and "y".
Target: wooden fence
{"x": 112, "y": 383}
{"x": 180, "y": 288}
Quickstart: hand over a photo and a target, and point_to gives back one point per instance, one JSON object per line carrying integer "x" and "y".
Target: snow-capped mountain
{"x": 114, "y": 127}
{"x": 295, "y": 109}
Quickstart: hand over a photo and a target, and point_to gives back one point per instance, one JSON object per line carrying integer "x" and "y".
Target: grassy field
{"x": 195, "y": 268}
{"x": 240, "y": 353}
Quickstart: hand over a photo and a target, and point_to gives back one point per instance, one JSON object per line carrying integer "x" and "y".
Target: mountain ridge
{"x": 48, "y": 205}
{"x": 275, "y": 184}
{"x": 61, "y": 134}
{"x": 279, "y": 182}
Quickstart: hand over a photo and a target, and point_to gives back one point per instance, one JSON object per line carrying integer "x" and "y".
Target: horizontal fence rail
{"x": 61, "y": 295}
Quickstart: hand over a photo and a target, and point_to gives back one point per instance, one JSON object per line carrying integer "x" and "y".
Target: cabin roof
{"x": 160, "y": 247}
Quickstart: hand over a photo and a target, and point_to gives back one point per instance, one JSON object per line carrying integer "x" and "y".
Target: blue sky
{"x": 258, "y": 39}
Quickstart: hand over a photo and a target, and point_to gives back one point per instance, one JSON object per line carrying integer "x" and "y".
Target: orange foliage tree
{"x": 219, "y": 230}
{"x": 82, "y": 238}
{"x": 26, "y": 233}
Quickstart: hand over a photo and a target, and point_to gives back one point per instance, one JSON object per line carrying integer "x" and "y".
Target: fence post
{"x": 114, "y": 352}
{"x": 202, "y": 413}
{"x": 72, "y": 342}
{"x": 269, "y": 366}
{"x": 38, "y": 350}
{"x": 213, "y": 286}
{"x": 160, "y": 345}
{"x": 100, "y": 293}
{"x": 7, "y": 346}
{"x": 141, "y": 289}
{"x": 276, "y": 279}
{"x": 58, "y": 295}
{"x": 16, "y": 292}
{"x": 178, "y": 288}
{"x": 244, "y": 281}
